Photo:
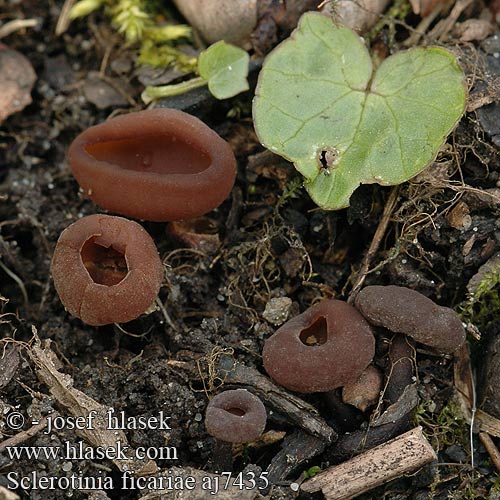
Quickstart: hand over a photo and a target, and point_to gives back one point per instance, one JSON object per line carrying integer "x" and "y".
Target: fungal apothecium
{"x": 106, "y": 269}
{"x": 157, "y": 165}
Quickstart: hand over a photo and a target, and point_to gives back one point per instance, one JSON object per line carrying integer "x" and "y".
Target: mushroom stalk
{"x": 222, "y": 460}
{"x": 235, "y": 416}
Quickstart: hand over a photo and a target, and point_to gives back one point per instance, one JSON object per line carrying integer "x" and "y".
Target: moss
{"x": 494, "y": 493}
{"x": 136, "y": 20}
{"x": 443, "y": 428}
{"x": 481, "y": 308}
{"x": 397, "y": 12}
{"x": 163, "y": 55}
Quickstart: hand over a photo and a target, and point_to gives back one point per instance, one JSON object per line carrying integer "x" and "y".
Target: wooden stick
{"x": 375, "y": 244}
{"x": 402, "y": 455}
{"x": 64, "y": 21}
{"x": 16, "y": 25}
{"x": 491, "y": 449}
{"x": 24, "y": 435}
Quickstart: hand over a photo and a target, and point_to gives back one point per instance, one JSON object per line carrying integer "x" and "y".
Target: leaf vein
{"x": 412, "y": 81}
{"x": 311, "y": 78}
{"x": 281, "y": 111}
{"x": 305, "y": 122}
{"x": 396, "y": 129}
{"x": 356, "y": 130}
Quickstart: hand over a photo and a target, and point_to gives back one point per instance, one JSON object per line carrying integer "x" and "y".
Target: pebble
{"x": 277, "y": 310}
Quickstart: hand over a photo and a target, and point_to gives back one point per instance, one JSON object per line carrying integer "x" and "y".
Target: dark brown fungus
{"x": 158, "y": 165}
{"x": 327, "y": 346}
{"x": 399, "y": 374}
{"x": 403, "y": 310}
{"x": 401, "y": 369}
{"x": 199, "y": 233}
{"x": 106, "y": 269}
{"x": 365, "y": 391}
{"x": 235, "y": 416}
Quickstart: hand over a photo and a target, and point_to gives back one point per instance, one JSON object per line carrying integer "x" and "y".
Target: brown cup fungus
{"x": 365, "y": 391}
{"x": 236, "y": 416}
{"x": 200, "y": 233}
{"x": 106, "y": 270}
{"x": 403, "y": 310}
{"x": 157, "y": 165}
{"x": 327, "y": 346}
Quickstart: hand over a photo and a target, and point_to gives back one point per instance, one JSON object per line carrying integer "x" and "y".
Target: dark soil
{"x": 275, "y": 243}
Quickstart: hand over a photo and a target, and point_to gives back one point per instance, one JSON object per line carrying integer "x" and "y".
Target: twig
{"x": 168, "y": 319}
{"x": 402, "y": 455}
{"x": 375, "y": 244}
{"x": 16, "y": 25}
{"x": 20, "y": 437}
{"x": 302, "y": 447}
{"x": 423, "y": 26}
{"x": 112, "y": 83}
{"x": 490, "y": 448}
{"x": 18, "y": 280}
{"x": 64, "y": 21}
{"x": 441, "y": 29}
{"x": 472, "y": 419}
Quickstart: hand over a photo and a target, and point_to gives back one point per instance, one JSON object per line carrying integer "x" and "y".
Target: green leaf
{"x": 320, "y": 104}
{"x": 84, "y": 8}
{"x": 225, "y": 67}
{"x": 312, "y": 471}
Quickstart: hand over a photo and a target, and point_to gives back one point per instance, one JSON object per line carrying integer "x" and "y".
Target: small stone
{"x": 17, "y": 78}
{"x": 101, "y": 94}
{"x": 67, "y": 466}
{"x": 277, "y": 310}
{"x": 491, "y": 44}
{"x": 122, "y": 65}
{"x": 457, "y": 454}
{"x": 58, "y": 72}
{"x": 292, "y": 261}
{"x": 459, "y": 217}
{"x": 473, "y": 29}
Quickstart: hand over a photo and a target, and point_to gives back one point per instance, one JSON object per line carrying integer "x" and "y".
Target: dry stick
{"x": 402, "y": 455}
{"x": 24, "y": 435}
{"x": 16, "y": 25}
{"x": 490, "y": 448}
{"x": 64, "y": 21}
{"x": 374, "y": 245}
{"x": 445, "y": 26}
{"x": 422, "y": 28}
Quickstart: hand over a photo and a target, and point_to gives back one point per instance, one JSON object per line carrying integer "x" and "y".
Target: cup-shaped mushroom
{"x": 365, "y": 391}
{"x": 403, "y": 310}
{"x": 158, "y": 165}
{"x": 106, "y": 269}
{"x": 327, "y": 346}
{"x": 235, "y": 416}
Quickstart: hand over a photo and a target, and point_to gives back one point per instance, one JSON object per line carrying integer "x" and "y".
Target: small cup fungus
{"x": 200, "y": 233}
{"x": 327, "y": 346}
{"x": 106, "y": 269}
{"x": 236, "y": 416}
{"x": 365, "y": 391}
{"x": 403, "y": 310}
{"x": 158, "y": 165}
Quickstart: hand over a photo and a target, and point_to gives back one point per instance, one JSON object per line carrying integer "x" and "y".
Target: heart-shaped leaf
{"x": 320, "y": 104}
{"x": 225, "y": 67}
